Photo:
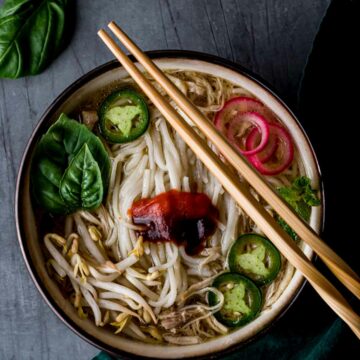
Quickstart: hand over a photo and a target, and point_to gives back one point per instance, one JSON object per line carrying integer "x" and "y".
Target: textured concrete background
{"x": 270, "y": 37}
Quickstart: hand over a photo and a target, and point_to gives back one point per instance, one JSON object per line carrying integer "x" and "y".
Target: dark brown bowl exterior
{"x": 21, "y": 190}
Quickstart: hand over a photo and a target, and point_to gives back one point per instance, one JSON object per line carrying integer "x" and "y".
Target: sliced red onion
{"x": 238, "y": 131}
{"x": 282, "y": 157}
{"x": 267, "y": 145}
{"x": 253, "y": 139}
{"x": 239, "y": 105}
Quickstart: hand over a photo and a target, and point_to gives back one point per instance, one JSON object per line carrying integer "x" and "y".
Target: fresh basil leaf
{"x": 54, "y": 153}
{"x": 301, "y": 197}
{"x": 81, "y": 186}
{"x": 32, "y": 33}
{"x": 48, "y": 179}
{"x": 65, "y": 138}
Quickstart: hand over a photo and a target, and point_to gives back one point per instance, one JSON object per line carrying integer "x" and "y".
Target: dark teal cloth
{"x": 329, "y": 111}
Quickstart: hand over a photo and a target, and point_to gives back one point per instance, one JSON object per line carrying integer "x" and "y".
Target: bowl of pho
{"x": 130, "y": 239}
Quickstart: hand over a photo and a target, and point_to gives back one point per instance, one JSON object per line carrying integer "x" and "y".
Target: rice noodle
{"x": 172, "y": 257}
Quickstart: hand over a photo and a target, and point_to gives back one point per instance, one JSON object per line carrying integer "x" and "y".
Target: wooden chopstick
{"x": 337, "y": 265}
{"x": 240, "y": 192}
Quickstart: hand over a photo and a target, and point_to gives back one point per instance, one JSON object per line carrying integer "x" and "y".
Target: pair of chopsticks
{"x": 237, "y": 190}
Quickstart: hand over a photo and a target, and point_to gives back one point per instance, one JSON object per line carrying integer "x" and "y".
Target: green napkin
{"x": 327, "y": 108}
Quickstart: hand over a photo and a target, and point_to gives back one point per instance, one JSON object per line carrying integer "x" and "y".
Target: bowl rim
{"x": 92, "y": 74}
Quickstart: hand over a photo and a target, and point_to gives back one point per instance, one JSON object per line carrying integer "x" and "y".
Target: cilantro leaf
{"x": 301, "y": 197}
{"x": 287, "y": 228}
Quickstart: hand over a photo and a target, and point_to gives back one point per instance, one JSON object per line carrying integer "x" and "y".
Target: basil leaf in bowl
{"x": 32, "y": 33}
{"x": 81, "y": 186}
{"x": 55, "y": 154}
{"x": 45, "y": 179}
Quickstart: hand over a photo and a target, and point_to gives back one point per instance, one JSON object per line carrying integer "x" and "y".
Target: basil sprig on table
{"x": 70, "y": 168}
{"x": 32, "y": 33}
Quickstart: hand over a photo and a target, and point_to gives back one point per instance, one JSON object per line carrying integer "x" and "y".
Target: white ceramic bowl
{"x": 70, "y": 100}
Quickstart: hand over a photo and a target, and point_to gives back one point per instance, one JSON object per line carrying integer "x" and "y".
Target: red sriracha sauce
{"x": 185, "y": 218}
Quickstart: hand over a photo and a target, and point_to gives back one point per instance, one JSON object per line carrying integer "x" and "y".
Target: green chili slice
{"x": 242, "y": 299}
{"x": 124, "y": 116}
{"x": 255, "y": 257}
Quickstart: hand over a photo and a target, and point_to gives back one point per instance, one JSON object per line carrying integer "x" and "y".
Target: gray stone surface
{"x": 270, "y": 37}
